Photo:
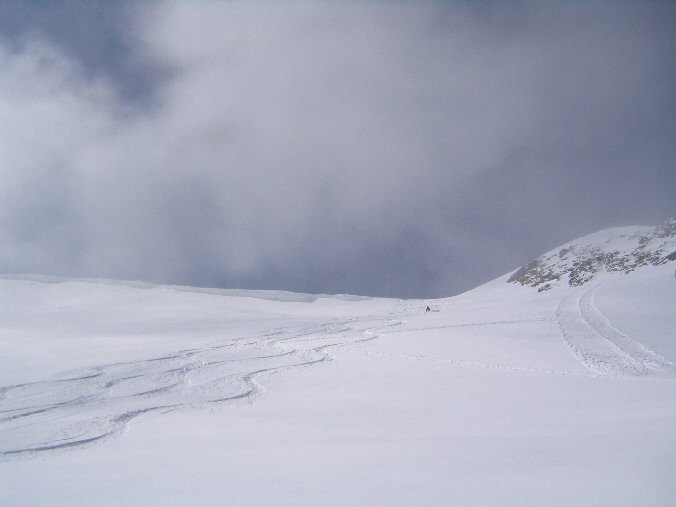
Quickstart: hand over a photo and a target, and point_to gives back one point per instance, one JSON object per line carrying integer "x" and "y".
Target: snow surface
{"x": 134, "y": 394}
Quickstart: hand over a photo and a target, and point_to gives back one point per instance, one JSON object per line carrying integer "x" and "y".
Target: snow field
{"x": 499, "y": 396}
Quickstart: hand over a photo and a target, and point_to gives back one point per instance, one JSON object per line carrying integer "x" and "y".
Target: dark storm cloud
{"x": 101, "y": 35}
{"x": 414, "y": 149}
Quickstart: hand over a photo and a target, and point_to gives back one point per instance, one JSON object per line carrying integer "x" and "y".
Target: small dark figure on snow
{"x": 427, "y": 309}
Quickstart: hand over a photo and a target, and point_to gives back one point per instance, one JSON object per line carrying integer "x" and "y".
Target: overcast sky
{"x": 404, "y": 149}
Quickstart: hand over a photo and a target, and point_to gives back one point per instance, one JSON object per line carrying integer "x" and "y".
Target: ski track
{"x": 96, "y": 403}
{"x": 603, "y": 348}
{"x": 90, "y": 405}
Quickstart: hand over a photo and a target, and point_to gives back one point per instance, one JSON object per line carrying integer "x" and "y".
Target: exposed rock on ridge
{"x": 621, "y": 249}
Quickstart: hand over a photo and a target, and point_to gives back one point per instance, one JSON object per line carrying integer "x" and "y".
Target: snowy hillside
{"x": 117, "y": 393}
{"x": 622, "y": 250}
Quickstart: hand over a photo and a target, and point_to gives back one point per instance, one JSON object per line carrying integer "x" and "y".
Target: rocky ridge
{"x": 622, "y": 249}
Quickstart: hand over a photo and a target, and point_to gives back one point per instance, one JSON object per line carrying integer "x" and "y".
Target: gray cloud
{"x": 415, "y": 149}
{"x": 102, "y": 36}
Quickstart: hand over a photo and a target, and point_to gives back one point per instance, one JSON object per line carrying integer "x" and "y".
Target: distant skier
{"x": 427, "y": 309}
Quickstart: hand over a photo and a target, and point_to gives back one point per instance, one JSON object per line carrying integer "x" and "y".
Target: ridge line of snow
{"x": 265, "y": 294}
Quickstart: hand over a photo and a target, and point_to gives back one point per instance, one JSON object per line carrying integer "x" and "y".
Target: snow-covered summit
{"x": 619, "y": 249}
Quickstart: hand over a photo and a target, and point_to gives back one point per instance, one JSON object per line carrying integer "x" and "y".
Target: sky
{"x": 402, "y": 149}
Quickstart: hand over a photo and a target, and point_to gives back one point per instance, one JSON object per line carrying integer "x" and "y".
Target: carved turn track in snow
{"x": 99, "y": 402}
{"x": 603, "y": 348}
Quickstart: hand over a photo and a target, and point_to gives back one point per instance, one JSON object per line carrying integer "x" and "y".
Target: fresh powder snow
{"x": 552, "y": 385}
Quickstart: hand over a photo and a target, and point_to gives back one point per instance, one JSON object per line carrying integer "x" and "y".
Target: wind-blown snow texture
{"x": 136, "y": 394}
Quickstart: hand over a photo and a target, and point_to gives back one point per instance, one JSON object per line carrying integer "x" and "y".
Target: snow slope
{"x": 132, "y": 394}
{"x": 622, "y": 249}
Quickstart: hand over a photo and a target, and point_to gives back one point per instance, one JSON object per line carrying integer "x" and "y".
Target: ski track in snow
{"x": 93, "y": 404}
{"x": 96, "y": 403}
{"x": 603, "y": 348}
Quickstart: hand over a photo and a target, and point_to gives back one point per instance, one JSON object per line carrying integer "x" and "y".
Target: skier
{"x": 427, "y": 309}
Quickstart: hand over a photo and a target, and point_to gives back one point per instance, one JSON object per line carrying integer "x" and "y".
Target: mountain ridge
{"x": 618, "y": 249}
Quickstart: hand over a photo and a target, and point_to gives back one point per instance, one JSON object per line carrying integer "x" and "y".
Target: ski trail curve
{"x": 603, "y": 348}
{"x": 96, "y": 403}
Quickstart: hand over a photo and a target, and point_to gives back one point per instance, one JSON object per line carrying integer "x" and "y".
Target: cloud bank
{"x": 412, "y": 150}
